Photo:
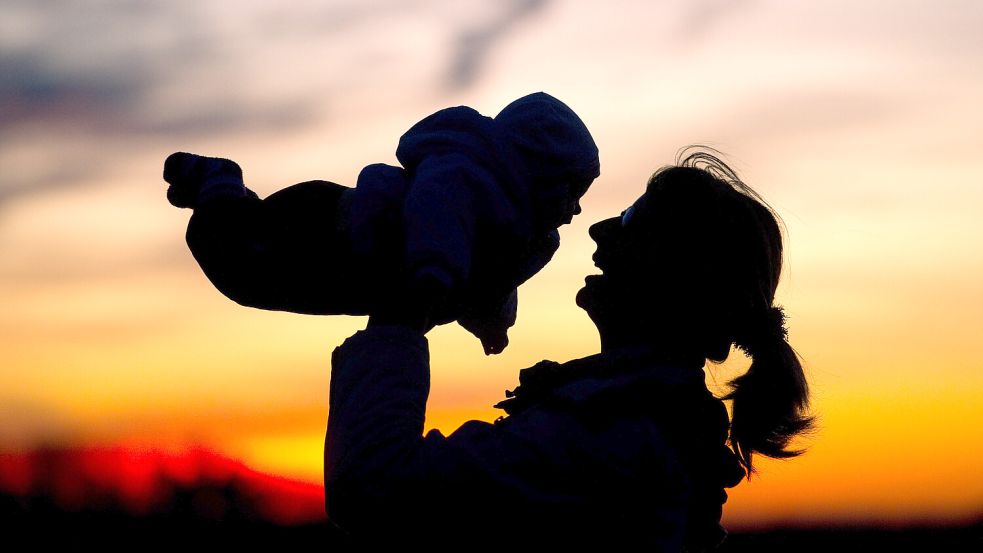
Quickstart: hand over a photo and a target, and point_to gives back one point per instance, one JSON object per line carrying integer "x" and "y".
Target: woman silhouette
{"x": 623, "y": 449}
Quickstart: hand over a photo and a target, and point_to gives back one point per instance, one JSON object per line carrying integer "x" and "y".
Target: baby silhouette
{"x": 472, "y": 213}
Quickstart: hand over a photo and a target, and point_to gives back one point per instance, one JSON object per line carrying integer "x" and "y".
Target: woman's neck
{"x": 662, "y": 349}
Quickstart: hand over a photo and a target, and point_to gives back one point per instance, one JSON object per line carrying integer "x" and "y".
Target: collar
{"x": 638, "y": 369}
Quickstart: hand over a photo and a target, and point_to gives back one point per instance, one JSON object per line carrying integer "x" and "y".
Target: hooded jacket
{"x": 472, "y": 189}
{"x": 621, "y": 453}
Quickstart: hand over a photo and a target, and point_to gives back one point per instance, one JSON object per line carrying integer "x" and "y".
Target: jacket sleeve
{"x": 546, "y": 469}
{"x": 379, "y": 467}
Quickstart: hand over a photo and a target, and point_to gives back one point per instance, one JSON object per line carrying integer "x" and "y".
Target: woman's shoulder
{"x": 625, "y": 403}
{"x": 620, "y": 402}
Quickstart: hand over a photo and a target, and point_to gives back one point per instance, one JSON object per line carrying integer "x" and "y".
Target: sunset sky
{"x": 860, "y": 122}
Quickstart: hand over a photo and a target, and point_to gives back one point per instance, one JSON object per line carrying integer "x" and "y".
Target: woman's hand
{"x": 416, "y": 306}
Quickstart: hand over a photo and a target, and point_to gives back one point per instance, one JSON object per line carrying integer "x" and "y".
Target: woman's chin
{"x": 587, "y": 296}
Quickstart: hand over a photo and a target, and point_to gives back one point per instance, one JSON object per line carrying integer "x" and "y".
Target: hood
{"x": 549, "y": 139}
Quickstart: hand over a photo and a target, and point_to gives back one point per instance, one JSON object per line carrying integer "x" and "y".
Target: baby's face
{"x": 564, "y": 203}
{"x": 570, "y": 208}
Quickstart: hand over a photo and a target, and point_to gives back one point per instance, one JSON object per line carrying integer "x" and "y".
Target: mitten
{"x": 490, "y": 322}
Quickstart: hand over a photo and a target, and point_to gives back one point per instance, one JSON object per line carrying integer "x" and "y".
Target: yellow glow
{"x": 293, "y": 456}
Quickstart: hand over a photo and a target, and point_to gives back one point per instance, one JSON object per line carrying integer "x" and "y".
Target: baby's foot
{"x": 195, "y": 179}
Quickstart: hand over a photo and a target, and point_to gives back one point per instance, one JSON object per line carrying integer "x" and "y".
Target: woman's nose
{"x": 601, "y": 230}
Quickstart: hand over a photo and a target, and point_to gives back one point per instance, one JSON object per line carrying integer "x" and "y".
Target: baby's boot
{"x": 196, "y": 179}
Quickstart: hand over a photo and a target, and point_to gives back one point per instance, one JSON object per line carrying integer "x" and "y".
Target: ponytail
{"x": 770, "y": 400}
{"x": 736, "y": 238}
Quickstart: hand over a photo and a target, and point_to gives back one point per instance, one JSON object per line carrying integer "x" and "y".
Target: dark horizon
{"x": 210, "y": 500}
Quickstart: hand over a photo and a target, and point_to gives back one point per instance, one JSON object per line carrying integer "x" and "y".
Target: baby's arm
{"x": 489, "y": 317}
{"x": 442, "y": 222}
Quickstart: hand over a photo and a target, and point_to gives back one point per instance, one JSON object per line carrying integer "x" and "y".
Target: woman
{"x": 623, "y": 449}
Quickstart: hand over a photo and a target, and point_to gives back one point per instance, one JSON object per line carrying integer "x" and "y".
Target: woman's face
{"x": 612, "y": 297}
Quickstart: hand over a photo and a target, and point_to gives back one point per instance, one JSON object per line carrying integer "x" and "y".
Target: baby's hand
{"x": 494, "y": 343}
{"x": 490, "y": 323}
{"x": 493, "y": 335}
{"x": 194, "y": 179}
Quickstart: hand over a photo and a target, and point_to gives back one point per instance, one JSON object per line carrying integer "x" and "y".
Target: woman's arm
{"x": 380, "y": 380}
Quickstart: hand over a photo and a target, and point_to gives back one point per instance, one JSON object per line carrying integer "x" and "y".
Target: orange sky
{"x": 858, "y": 122}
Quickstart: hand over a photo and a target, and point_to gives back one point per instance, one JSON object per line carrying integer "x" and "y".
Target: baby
{"x": 471, "y": 214}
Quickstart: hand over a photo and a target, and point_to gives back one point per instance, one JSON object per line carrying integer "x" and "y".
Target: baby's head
{"x": 556, "y": 155}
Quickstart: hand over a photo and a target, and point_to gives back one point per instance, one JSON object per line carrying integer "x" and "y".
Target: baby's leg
{"x": 288, "y": 252}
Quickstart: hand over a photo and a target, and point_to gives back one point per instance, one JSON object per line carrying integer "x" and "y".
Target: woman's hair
{"x": 725, "y": 245}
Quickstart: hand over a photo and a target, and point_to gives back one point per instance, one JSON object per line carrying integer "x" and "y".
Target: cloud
{"x": 52, "y": 177}
{"x": 33, "y": 90}
{"x": 92, "y": 77}
{"x": 333, "y": 17}
{"x": 79, "y": 65}
{"x": 473, "y": 39}
{"x": 472, "y": 46}
{"x": 85, "y": 83}
{"x": 122, "y": 67}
